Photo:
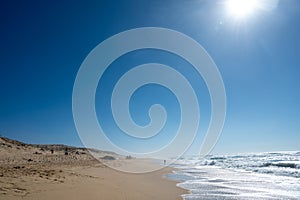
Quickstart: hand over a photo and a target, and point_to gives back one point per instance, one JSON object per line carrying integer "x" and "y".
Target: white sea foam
{"x": 248, "y": 176}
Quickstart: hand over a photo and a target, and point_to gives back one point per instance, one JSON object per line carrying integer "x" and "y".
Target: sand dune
{"x": 63, "y": 172}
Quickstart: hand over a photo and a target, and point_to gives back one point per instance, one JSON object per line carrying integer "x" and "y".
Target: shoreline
{"x": 245, "y": 176}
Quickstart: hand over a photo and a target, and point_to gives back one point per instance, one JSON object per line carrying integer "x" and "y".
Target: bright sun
{"x": 241, "y": 8}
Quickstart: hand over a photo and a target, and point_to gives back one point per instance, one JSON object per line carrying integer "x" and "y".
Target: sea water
{"x": 274, "y": 175}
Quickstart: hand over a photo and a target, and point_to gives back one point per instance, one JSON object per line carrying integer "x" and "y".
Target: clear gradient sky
{"x": 43, "y": 44}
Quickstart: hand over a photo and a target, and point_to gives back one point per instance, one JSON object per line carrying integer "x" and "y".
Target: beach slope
{"x": 47, "y": 172}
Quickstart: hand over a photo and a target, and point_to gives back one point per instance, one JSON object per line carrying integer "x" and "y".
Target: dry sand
{"x": 34, "y": 172}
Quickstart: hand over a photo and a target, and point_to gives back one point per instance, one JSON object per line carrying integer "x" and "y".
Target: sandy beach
{"x": 45, "y": 172}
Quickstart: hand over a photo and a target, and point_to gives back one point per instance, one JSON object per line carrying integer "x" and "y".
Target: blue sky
{"x": 44, "y": 43}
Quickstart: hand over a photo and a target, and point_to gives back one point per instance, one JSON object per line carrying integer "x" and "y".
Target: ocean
{"x": 264, "y": 176}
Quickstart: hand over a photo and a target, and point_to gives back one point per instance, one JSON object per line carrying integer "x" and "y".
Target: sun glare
{"x": 241, "y": 8}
